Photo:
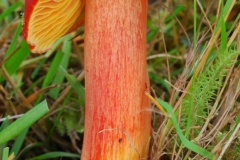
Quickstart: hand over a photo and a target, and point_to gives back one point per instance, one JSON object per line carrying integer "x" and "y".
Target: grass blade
{"x": 5, "y": 153}
{"x": 10, "y": 10}
{"x": 223, "y": 45}
{"x": 18, "y": 142}
{"x": 13, "y": 63}
{"x": 190, "y": 145}
{"x": 50, "y": 155}
{"x": 65, "y": 60}
{"x": 176, "y": 11}
{"x": 75, "y": 85}
{"x": 23, "y": 122}
{"x": 52, "y": 71}
{"x": 13, "y": 45}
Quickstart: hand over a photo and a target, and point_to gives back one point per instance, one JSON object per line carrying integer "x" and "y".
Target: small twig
{"x": 229, "y": 141}
{"x": 156, "y": 103}
{"x": 9, "y": 56}
{"x": 180, "y": 24}
{"x": 11, "y": 117}
{"x": 165, "y": 50}
{"x": 19, "y": 92}
{"x": 163, "y": 55}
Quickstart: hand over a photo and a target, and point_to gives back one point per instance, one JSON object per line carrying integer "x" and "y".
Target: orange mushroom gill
{"x": 45, "y": 21}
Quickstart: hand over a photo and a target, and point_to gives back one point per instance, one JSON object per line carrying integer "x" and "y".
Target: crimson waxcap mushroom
{"x": 47, "y": 20}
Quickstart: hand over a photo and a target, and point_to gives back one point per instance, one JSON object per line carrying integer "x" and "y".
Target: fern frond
{"x": 204, "y": 88}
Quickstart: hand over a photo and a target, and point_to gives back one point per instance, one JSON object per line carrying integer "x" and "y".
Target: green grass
{"x": 209, "y": 70}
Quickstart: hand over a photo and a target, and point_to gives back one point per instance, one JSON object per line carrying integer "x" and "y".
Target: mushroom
{"x": 117, "y": 115}
{"x": 47, "y": 20}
